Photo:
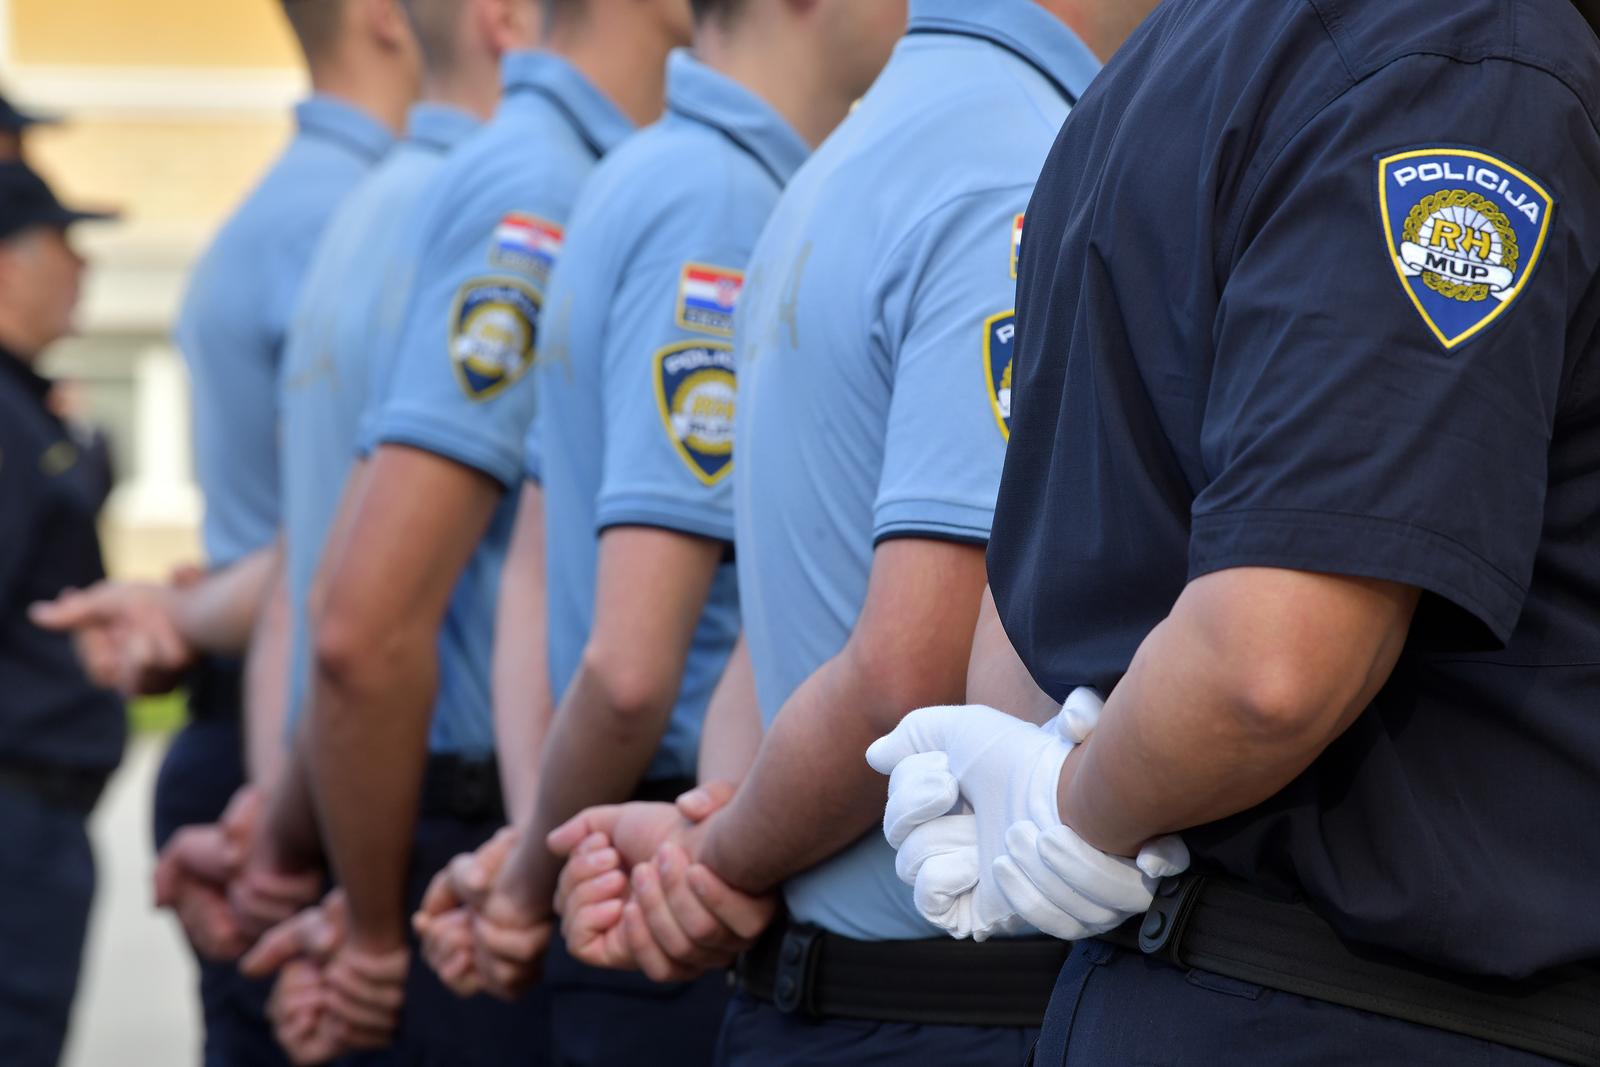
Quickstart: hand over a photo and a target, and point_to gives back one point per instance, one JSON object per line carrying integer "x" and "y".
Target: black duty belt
{"x": 216, "y": 689}
{"x": 1221, "y": 926}
{"x": 809, "y": 972}
{"x": 69, "y": 789}
{"x": 468, "y": 790}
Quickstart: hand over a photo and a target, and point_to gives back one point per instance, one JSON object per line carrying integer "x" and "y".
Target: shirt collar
{"x": 14, "y": 369}
{"x": 596, "y": 119}
{"x": 331, "y": 118}
{"x": 697, "y": 92}
{"x": 439, "y": 126}
{"x": 1019, "y": 26}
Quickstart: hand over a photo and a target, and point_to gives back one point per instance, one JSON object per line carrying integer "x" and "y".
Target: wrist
{"x": 377, "y": 939}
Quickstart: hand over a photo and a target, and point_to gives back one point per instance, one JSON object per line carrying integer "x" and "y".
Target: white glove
{"x": 1069, "y": 889}
{"x": 1007, "y": 770}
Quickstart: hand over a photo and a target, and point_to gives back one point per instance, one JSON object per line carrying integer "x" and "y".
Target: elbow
{"x": 350, "y": 654}
{"x": 1285, "y": 702}
{"x": 637, "y": 695}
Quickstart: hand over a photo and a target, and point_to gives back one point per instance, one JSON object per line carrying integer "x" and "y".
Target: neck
{"x": 1102, "y": 30}
{"x": 621, "y": 55}
{"x": 793, "y": 81}
{"x": 474, "y": 87}
{"x": 368, "y": 87}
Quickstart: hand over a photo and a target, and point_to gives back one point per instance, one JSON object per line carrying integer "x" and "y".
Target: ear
{"x": 388, "y": 23}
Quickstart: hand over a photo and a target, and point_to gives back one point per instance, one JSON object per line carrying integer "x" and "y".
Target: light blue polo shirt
{"x": 873, "y": 350}
{"x": 348, "y": 324}
{"x": 635, "y": 374}
{"x": 493, "y": 223}
{"x": 236, "y": 315}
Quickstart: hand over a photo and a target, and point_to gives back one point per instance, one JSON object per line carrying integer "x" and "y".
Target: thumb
{"x": 1080, "y": 714}
{"x": 564, "y": 839}
{"x": 1164, "y": 857}
{"x": 65, "y": 612}
{"x": 277, "y": 947}
{"x": 923, "y": 730}
{"x": 701, "y": 803}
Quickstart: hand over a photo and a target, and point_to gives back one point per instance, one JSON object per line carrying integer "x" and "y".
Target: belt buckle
{"x": 1161, "y": 931}
{"x": 797, "y": 958}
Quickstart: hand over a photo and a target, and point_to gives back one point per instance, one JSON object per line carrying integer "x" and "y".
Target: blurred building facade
{"x": 172, "y": 108}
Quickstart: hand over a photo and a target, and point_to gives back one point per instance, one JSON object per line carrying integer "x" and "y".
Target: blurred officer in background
{"x": 874, "y": 342}
{"x": 60, "y": 735}
{"x": 14, "y": 126}
{"x": 633, "y": 448}
{"x": 1332, "y": 542}
{"x": 364, "y": 71}
{"x": 397, "y": 716}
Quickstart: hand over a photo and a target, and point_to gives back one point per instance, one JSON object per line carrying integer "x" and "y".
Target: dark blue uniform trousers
{"x": 756, "y": 1034}
{"x": 602, "y": 1018}
{"x": 203, "y": 768}
{"x": 1116, "y": 1007}
{"x": 46, "y": 885}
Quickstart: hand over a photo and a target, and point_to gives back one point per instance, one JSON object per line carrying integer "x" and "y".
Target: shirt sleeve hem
{"x": 635, "y": 511}
{"x": 940, "y": 517}
{"x": 504, "y": 465}
{"x": 1359, "y": 545}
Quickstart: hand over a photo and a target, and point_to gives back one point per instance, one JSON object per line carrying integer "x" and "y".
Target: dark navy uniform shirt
{"x": 50, "y": 715}
{"x": 1315, "y": 284}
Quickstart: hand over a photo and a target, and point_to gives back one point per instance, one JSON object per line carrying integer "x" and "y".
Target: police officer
{"x": 635, "y": 442}
{"x": 1303, "y": 466}
{"x": 402, "y": 624}
{"x": 60, "y": 736}
{"x": 873, "y": 344}
{"x": 348, "y": 326}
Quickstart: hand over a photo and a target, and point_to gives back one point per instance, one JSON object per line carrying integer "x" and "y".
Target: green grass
{"x": 158, "y": 715}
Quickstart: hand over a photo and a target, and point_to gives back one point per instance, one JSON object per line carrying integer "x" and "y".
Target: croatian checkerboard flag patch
{"x": 526, "y": 244}
{"x": 707, "y": 298}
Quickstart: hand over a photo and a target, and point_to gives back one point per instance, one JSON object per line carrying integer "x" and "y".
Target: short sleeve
{"x": 460, "y": 386}
{"x": 947, "y": 322}
{"x": 1391, "y": 338}
{"x": 669, "y": 393}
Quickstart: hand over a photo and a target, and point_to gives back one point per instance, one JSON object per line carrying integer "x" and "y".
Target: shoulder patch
{"x": 1465, "y": 231}
{"x": 1016, "y": 243}
{"x": 999, "y": 339}
{"x": 695, "y": 389}
{"x": 707, "y": 297}
{"x": 526, "y": 244}
{"x": 494, "y": 326}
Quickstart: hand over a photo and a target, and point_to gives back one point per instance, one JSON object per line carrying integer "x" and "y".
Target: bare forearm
{"x": 218, "y": 614}
{"x": 266, "y": 682}
{"x": 1193, "y": 733}
{"x": 997, "y": 677}
{"x": 811, "y": 792}
{"x": 523, "y": 703}
{"x": 731, "y": 734}
{"x": 367, "y": 746}
{"x": 291, "y": 837}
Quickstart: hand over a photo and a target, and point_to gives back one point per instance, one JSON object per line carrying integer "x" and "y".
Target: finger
{"x": 942, "y": 836}
{"x": 944, "y": 881}
{"x": 1025, "y": 898}
{"x": 588, "y": 924}
{"x": 665, "y": 930}
{"x": 1115, "y": 883}
{"x": 516, "y": 944}
{"x": 603, "y": 888}
{"x": 469, "y": 881}
{"x": 645, "y": 952}
{"x": 921, "y": 788}
{"x": 68, "y": 611}
{"x": 745, "y": 915}
{"x": 919, "y": 731}
{"x": 718, "y": 943}
{"x": 204, "y": 851}
{"x": 570, "y": 834}
{"x": 1064, "y": 892}
{"x": 705, "y": 800}
{"x": 439, "y": 898}
{"x": 277, "y": 947}
{"x": 584, "y": 869}
{"x": 359, "y": 1008}
{"x": 1080, "y": 714}
{"x": 1165, "y": 857}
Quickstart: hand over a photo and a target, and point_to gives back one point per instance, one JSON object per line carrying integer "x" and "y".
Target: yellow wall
{"x": 172, "y": 33}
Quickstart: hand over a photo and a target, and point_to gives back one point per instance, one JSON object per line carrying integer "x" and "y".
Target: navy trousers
{"x": 46, "y": 886}
{"x": 602, "y": 1018}
{"x": 756, "y": 1034}
{"x": 203, "y": 768}
{"x": 1116, "y": 1007}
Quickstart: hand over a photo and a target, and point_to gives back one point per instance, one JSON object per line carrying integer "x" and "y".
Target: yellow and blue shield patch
{"x": 695, "y": 390}
{"x": 999, "y": 339}
{"x": 494, "y": 327}
{"x": 1465, "y": 232}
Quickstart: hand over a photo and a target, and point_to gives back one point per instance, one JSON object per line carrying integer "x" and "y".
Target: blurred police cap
{"x": 26, "y": 201}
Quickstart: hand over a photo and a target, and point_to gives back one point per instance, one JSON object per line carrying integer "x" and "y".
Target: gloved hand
{"x": 995, "y": 870}
{"x": 1005, "y": 769}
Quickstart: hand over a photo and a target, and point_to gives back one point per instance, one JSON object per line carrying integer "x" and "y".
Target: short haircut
{"x": 722, "y": 11}
{"x": 559, "y": 11}
{"x": 437, "y": 24}
{"x": 317, "y": 24}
